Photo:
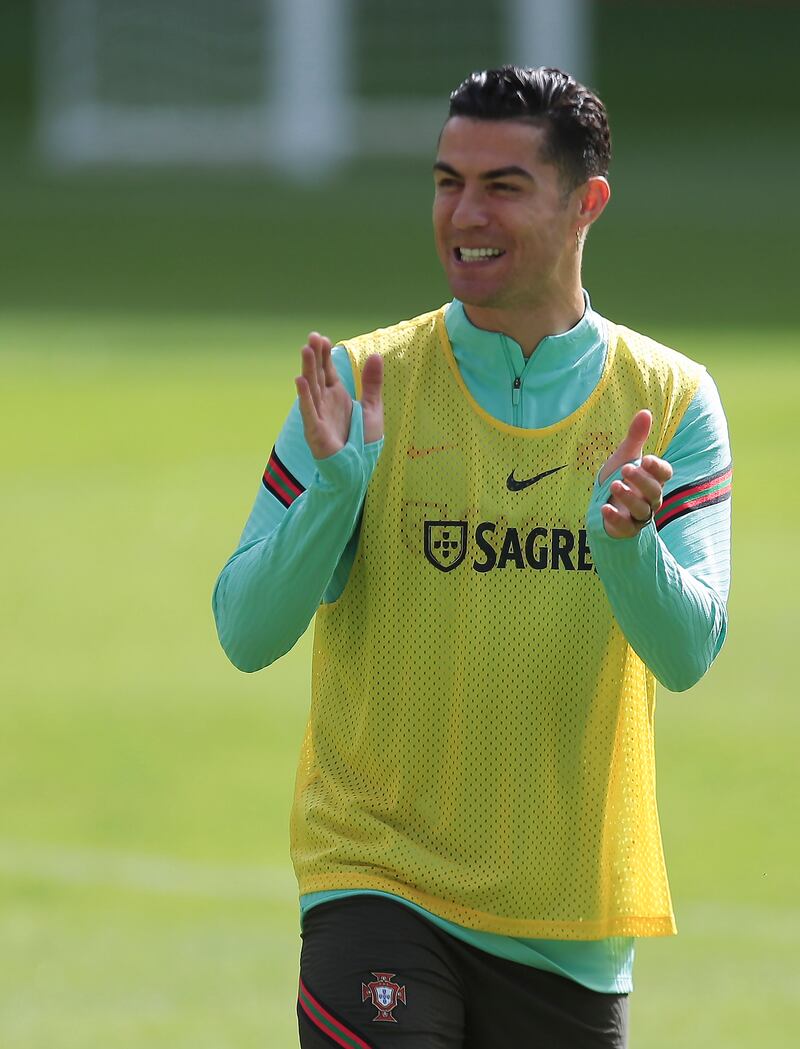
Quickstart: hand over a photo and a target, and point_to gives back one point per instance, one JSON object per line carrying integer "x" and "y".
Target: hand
{"x": 325, "y": 405}
{"x": 636, "y": 498}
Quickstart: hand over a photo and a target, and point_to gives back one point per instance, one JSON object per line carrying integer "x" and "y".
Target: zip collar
{"x": 489, "y": 355}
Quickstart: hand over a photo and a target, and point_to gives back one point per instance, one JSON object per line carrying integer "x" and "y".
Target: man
{"x": 542, "y": 532}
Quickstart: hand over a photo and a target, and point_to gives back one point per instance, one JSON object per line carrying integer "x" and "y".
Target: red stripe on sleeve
{"x": 284, "y": 475}
{"x": 273, "y": 485}
{"x": 698, "y": 488}
{"x": 693, "y": 504}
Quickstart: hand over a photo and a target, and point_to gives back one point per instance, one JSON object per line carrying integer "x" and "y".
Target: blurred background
{"x": 186, "y": 188}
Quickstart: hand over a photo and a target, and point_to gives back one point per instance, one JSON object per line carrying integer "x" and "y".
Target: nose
{"x": 469, "y": 212}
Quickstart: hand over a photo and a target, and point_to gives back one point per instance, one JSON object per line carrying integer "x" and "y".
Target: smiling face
{"x": 503, "y": 222}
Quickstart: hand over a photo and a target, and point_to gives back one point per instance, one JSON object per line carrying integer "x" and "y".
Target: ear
{"x": 595, "y": 194}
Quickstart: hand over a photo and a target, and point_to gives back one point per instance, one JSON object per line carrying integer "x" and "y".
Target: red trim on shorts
{"x": 328, "y": 1024}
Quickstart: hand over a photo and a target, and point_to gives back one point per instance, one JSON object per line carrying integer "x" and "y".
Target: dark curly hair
{"x": 578, "y": 140}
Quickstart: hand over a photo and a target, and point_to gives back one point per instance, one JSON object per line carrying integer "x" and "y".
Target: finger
{"x": 310, "y": 375}
{"x": 320, "y": 365}
{"x": 660, "y": 469}
{"x": 639, "y": 509}
{"x": 632, "y": 444}
{"x": 331, "y": 375}
{"x": 624, "y": 497}
{"x": 308, "y": 411}
{"x": 643, "y": 484}
{"x": 617, "y": 524}
{"x": 638, "y": 432}
{"x": 317, "y": 341}
{"x": 319, "y": 344}
{"x": 372, "y": 381}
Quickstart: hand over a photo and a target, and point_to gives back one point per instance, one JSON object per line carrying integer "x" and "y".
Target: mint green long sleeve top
{"x": 667, "y": 586}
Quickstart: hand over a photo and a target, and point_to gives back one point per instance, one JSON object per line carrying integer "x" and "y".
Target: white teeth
{"x": 471, "y": 254}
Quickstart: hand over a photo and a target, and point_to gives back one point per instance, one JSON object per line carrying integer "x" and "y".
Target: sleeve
{"x": 295, "y": 545}
{"x": 668, "y": 586}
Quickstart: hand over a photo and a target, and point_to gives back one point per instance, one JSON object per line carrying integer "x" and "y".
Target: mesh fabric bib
{"x": 480, "y": 739}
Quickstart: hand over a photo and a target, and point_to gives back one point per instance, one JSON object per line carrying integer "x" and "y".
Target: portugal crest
{"x": 445, "y": 543}
{"x": 384, "y": 995}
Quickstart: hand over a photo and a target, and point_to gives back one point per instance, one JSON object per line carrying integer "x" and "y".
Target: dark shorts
{"x": 374, "y": 974}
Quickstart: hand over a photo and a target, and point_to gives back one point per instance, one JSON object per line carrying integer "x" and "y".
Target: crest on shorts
{"x": 445, "y": 543}
{"x": 384, "y": 995}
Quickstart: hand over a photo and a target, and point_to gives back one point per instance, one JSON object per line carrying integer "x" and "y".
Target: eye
{"x": 446, "y": 182}
{"x": 504, "y": 187}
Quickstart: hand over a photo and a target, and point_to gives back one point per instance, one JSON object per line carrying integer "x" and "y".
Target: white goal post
{"x": 299, "y": 85}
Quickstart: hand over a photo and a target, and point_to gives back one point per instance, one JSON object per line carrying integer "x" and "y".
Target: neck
{"x": 529, "y": 323}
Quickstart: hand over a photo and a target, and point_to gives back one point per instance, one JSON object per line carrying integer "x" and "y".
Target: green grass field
{"x": 148, "y": 331}
{"x": 147, "y": 897}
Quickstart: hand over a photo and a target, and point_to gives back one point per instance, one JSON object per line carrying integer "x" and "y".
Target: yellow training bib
{"x": 480, "y": 739}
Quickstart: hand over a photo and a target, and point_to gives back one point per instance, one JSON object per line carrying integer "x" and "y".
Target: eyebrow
{"x": 487, "y": 176}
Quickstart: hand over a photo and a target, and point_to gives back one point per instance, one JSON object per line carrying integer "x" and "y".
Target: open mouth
{"x": 477, "y": 255}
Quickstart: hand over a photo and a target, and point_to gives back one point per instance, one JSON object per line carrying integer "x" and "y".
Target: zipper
{"x": 516, "y": 386}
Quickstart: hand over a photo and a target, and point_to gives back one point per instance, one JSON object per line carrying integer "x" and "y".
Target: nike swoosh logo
{"x": 516, "y": 486}
{"x": 418, "y": 453}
